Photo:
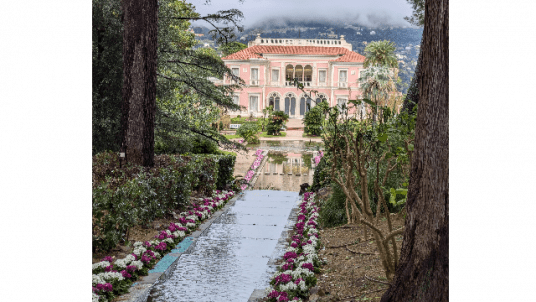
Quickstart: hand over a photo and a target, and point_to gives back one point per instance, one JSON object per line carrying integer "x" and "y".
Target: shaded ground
{"x": 351, "y": 264}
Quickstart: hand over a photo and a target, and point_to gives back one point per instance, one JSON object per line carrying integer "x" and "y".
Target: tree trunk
{"x": 422, "y": 274}
{"x": 413, "y": 92}
{"x": 139, "y": 85}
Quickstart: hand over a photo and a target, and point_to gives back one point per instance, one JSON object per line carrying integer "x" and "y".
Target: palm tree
{"x": 376, "y": 83}
{"x": 380, "y": 53}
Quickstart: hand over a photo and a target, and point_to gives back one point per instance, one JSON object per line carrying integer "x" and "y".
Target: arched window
{"x": 289, "y": 72}
{"x": 299, "y": 73}
{"x": 308, "y": 73}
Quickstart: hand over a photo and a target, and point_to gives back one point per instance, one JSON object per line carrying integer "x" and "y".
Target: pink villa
{"x": 326, "y": 65}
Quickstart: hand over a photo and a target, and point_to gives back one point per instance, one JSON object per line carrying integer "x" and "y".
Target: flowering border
{"x": 297, "y": 275}
{"x": 112, "y": 278}
{"x": 253, "y": 169}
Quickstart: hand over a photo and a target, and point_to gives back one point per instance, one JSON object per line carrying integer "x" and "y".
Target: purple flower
{"x": 108, "y": 258}
{"x": 162, "y": 246}
{"x": 132, "y": 268}
{"x": 273, "y": 294}
{"x": 108, "y": 287}
{"x": 283, "y": 297}
{"x": 308, "y": 266}
{"x": 298, "y": 281}
{"x": 108, "y": 268}
{"x": 125, "y": 274}
{"x": 289, "y": 255}
{"x": 145, "y": 259}
{"x": 287, "y": 266}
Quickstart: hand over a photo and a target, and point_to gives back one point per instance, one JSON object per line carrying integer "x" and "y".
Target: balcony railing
{"x": 254, "y": 83}
{"x": 291, "y": 83}
{"x": 343, "y": 85}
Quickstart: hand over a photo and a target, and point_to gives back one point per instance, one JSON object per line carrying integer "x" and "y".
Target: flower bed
{"x": 297, "y": 275}
{"x": 112, "y": 278}
{"x": 253, "y": 168}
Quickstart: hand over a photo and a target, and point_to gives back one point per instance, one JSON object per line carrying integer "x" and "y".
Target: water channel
{"x": 236, "y": 254}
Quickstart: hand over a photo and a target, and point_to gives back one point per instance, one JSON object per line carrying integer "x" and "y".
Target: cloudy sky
{"x": 364, "y": 12}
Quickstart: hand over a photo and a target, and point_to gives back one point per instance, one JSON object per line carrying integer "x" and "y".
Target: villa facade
{"x": 268, "y": 66}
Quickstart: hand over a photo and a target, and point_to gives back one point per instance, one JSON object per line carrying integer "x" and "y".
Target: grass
{"x": 311, "y": 136}
{"x": 265, "y": 134}
{"x": 231, "y": 136}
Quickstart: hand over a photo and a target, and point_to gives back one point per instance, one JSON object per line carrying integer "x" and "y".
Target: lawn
{"x": 265, "y": 134}
{"x": 311, "y": 136}
{"x": 231, "y": 136}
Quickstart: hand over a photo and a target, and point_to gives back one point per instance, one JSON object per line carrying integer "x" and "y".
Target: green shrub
{"x": 333, "y": 210}
{"x": 321, "y": 177}
{"x": 277, "y": 119}
{"x": 201, "y": 145}
{"x": 249, "y": 132}
{"x": 313, "y": 121}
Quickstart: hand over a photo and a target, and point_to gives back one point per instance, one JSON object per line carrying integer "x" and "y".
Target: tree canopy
{"x": 380, "y": 53}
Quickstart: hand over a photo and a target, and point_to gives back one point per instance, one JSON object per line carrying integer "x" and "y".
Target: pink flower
{"x": 308, "y": 266}
{"x": 108, "y": 258}
{"x": 125, "y": 274}
{"x": 289, "y": 255}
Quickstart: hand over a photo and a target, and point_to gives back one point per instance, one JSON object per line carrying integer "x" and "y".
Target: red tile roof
{"x": 254, "y": 51}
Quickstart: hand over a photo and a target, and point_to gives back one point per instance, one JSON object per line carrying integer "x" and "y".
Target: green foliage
{"x": 231, "y": 48}
{"x": 276, "y": 121}
{"x": 277, "y": 158}
{"x": 417, "y": 17}
{"x": 380, "y": 53}
{"x": 173, "y": 143}
{"x": 307, "y": 159}
{"x": 249, "y": 131}
{"x": 333, "y": 210}
{"x": 201, "y": 145}
{"x": 314, "y": 120}
{"x": 321, "y": 177}
{"x": 107, "y": 75}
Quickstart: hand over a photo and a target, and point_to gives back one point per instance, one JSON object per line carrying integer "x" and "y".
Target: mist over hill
{"x": 406, "y": 38}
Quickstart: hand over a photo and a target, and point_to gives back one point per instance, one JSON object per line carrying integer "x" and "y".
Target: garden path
{"x": 236, "y": 254}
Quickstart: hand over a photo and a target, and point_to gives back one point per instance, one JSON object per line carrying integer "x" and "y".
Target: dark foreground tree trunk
{"x": 422, "y": 274}
{"x": 140, "y": 22}
{"x": 412, "y": 96}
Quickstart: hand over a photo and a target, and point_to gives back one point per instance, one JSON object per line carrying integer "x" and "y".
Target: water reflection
{"x": 289, "y": 146}
{"x": 286, "y": 171}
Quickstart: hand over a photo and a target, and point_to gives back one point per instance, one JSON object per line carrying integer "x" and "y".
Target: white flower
{"x": 302, "y": 286}
{"x": 101, "y": 264}
{"x": 168, "y": 240}
{"x": 95, "y": 297}
{"x": 190, "y": 225}
{"x": 300, "y": 271}
{"x": 192, "y": 217}
{"x": 156, "y": 254}
{"x": 97, "y": 279}
{"x": 137, "y": 244}
{"x": 289, "y": 286}
{"x": 291, "y": 249}
{"x": 108, "y": 276}
{"x": 179, "y": 234}
{"x": 139, "y": 250}
{"x": 168, "y": 232}
{"x": 137, "y": 263}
